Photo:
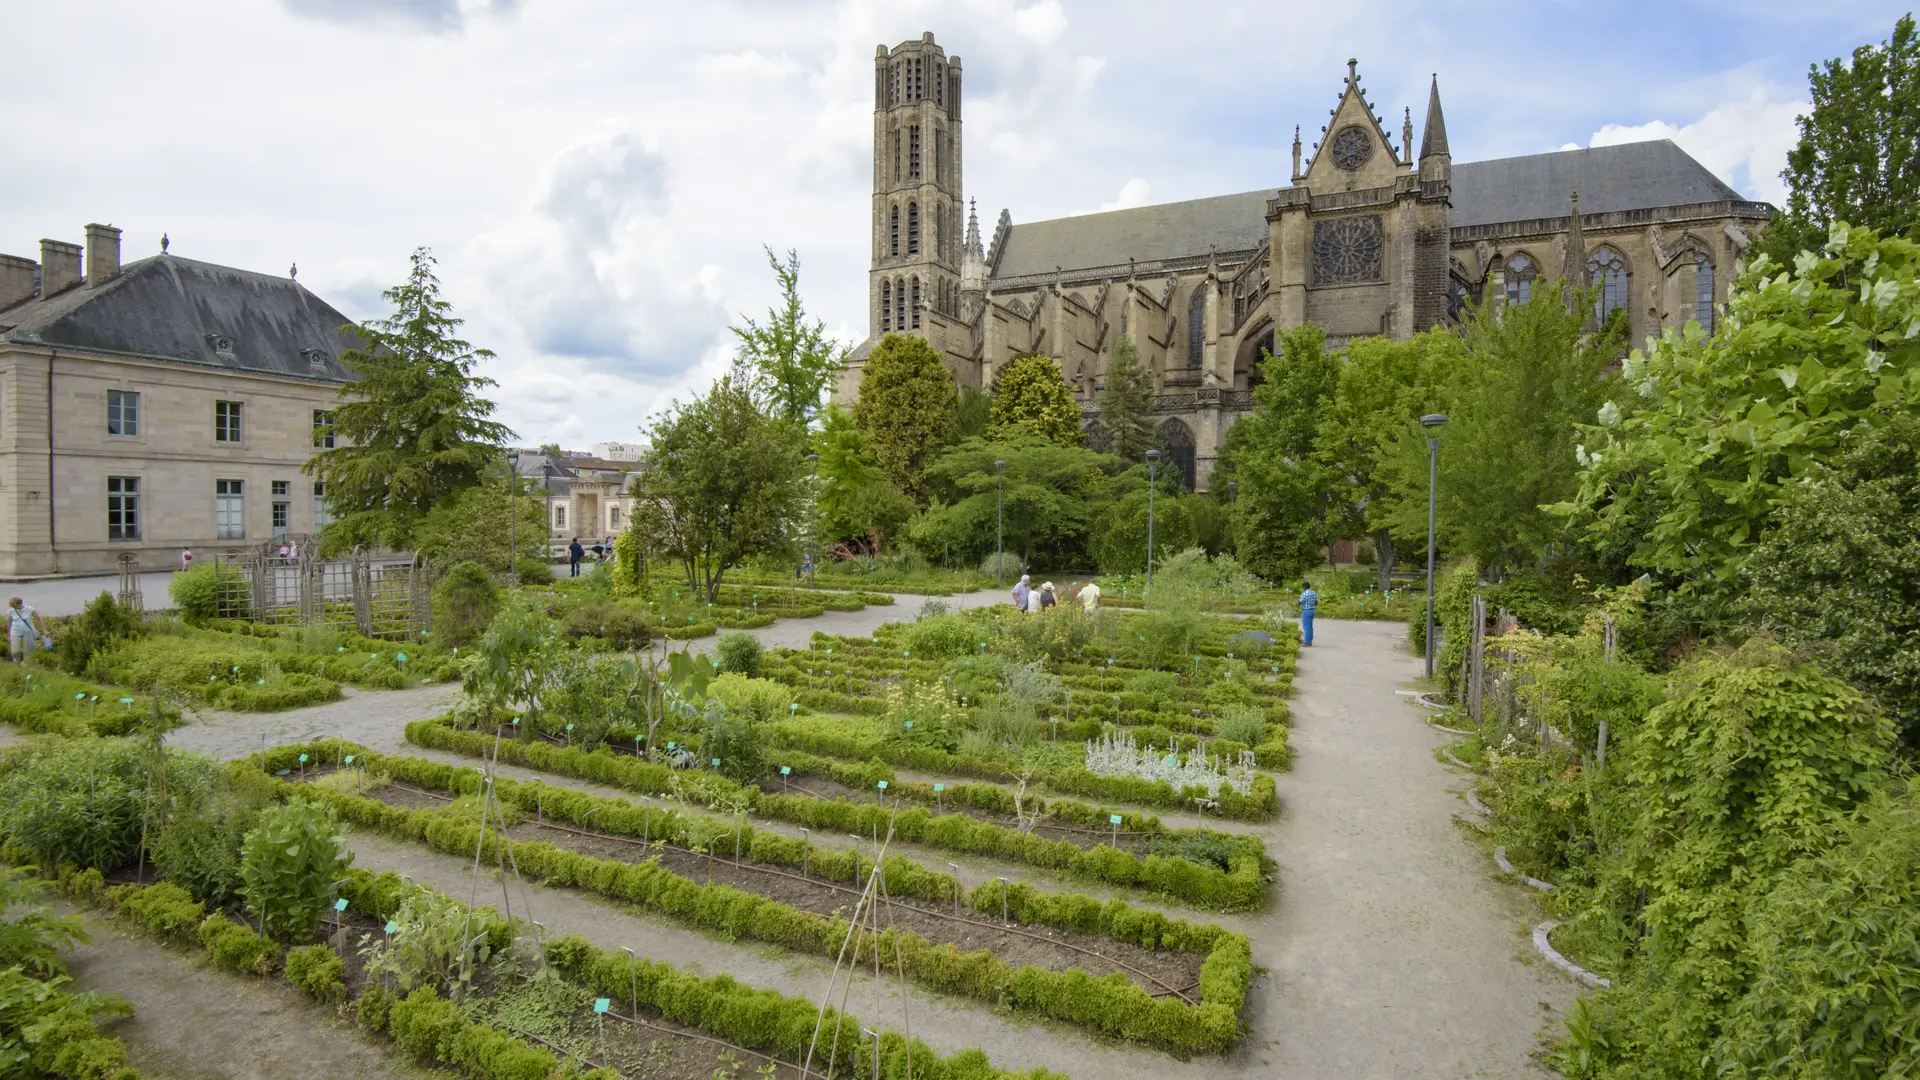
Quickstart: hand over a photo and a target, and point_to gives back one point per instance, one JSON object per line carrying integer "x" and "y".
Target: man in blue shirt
{"x": 1308, "y": 601}
{"x": 1021, "y": 590}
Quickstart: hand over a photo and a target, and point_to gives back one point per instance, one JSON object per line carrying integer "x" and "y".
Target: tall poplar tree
{"x": 412, "y": 428}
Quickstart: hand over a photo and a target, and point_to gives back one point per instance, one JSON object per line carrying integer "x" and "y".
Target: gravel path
{"x": 193, "y": 1023}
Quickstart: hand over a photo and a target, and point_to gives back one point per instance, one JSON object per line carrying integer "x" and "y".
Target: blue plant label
{"x": 794, "y": 708}
{"x": 303, "y": 759}
{"x": 883, "y": 785}
{"x": 342, "y": 648}
{"x": 283, "y": 772}
{"x": 350, "y": 758}
{"x": 601, "y": 1005}
{"x": 670, "y": 744}
{"x": 716, "y": 763}
{"x": 569, "y": 727}
{"x": 259, "y": 682}
{"x": 126, "y": 701}
{"x": 340, "y": 904}
{"x": 392, "y": 926}
{"x": 80, "y": 696}
{"x": 786, "y": 770}
{"x": 939, "y": 787}
{"x": 401, "y": 657}
{"x": 1113, "y": 819}
{"x": 909, "y": 725}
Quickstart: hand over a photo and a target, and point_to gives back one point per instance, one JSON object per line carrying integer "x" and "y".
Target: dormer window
{"x": 222, "y": 345}
{"x": 316, "y": 358}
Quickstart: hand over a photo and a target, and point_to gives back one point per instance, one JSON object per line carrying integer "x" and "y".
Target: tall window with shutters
{"x": 886, "y": 307}
{"x": 913, "y": 151}
{"x": 893, "y": 230}
{"x": 1197, "y": 326}
{"x": 913, "y": 228}
{"x": 916, "y": 303}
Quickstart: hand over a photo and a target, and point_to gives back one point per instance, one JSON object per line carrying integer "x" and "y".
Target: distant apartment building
{"x": 618, "y": 451}
{"x": 160, "y": 405}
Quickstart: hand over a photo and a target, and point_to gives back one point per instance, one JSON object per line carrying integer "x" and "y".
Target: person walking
{"x": 1090, "y": 597}
{"x": 186, "y": 558}
{"x": 24, "y": 629}
{"x": 1047, "y": 598}
{"x": 1309, "y": 600}
{"x": 1022, "y": 592}
{"x": 574, "y": 554}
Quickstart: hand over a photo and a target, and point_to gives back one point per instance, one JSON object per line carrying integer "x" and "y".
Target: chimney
{"x": 103, "y": 255}
{"x": 59, "y": 266}
{"x": 16, "y": 279}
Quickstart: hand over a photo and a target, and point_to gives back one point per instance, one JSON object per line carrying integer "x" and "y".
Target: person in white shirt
{"x": 24, "y": 627}
{"x": 186, "y": 558}
{"x": 1090, "y": 597}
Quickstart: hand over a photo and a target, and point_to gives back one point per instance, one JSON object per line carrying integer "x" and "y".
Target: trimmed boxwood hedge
{"x": 1112, "y": 1005}
{"x": 1243, "y": 886}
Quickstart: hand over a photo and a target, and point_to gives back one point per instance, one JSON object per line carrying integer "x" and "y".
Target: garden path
{"x": 193, "y": 1023}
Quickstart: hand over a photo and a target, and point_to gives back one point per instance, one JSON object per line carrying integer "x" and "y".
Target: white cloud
{"x": 1044, "y": 23}
{"x": 1744, "y": 142}
{"x": 1134, "y": 192}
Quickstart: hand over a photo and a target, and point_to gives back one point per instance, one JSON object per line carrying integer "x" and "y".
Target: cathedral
{"x": 1369, "y": 236}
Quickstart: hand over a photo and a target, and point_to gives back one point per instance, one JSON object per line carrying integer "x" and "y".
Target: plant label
{"x": 939, "y": 787}
{"x": 601, "y": 1005}
{"x": 1113, "y": 819}
{"x": 883, "y": 785}
{"x": 340, "y": 904}
{"x": 786, "y": 770}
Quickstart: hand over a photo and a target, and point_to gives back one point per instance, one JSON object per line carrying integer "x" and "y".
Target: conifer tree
{"x": 1124, "y": 428}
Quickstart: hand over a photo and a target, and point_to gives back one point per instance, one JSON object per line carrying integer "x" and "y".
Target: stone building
{"x": 1370, "y": 236}
{"x": 585, "y": 494}
{"x": 163, "y": 404}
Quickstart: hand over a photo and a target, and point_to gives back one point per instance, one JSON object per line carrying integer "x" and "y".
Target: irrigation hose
{"x": 1167, "y": 988}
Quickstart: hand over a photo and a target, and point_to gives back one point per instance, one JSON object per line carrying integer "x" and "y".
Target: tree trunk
{"x": 1383, "y": 549}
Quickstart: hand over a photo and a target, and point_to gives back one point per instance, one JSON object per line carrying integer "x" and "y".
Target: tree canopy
{"x": 412, "y": 428}
{"x": 856, "y": 501}
{"x": 1125, "y": 427}
{"x": 1052, "y": 495}
{"x": 723, "y": 481}
{"x": 1030, "y": 395}
{"x": 1858, "y": 158}
{"x": 1282, "y": 515}
{"x": 906, "y": 409}
{"x": 792, "y": 360}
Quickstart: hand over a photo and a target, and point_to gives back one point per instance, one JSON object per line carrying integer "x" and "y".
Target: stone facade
{"x": 1369, "y": 237}
{"x": 585, "y": 495}
{"x": 119, "y": 396}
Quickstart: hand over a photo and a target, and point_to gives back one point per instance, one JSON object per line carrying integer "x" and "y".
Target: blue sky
{"x": 597, "y": 176}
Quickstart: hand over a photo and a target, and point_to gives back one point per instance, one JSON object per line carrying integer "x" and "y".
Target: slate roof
{"x": 169, "y": 308}
{"x": 1630, "y": 176}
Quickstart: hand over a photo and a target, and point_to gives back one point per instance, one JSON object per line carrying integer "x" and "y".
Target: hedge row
{"x": 1113, "y": 1005}
{"x": 1241, "y": 887}
{"x": 905, "y": 878}
{"x": 45, "y": 701}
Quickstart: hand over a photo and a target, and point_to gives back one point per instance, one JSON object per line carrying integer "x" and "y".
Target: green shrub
{"x": 200, "y": 849}
{"x": 211, "y": 591}
{"x": 285, "y": 690}
{"x": 610, "y": 621}
{"x": 941, "y": 637}
{"x": 738, "y": 654}
{"x": 373, "y": 1007}
{"x": 47, "y": 1031}
{"x": 532, "y": 571}
{"x": 316, "y": 970}
{"x": 236, "y": 947}
{"x": 1241, "y": 723}
{"x": 463, "y": 603}
{"x": 79, "y": 803}
{"x": 104, "y": 623}
{"x": 288, "y": 862}
{"x": 164, "y": 910}
{"x": 756, "y": 701}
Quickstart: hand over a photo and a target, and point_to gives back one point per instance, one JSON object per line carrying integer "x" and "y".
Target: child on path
{"x": 1308, "y": 601}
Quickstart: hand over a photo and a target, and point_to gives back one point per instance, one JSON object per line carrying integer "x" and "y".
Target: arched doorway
{"x": 1176, "y": 441}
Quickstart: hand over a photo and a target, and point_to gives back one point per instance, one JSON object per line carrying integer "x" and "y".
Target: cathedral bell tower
{"x": 918, "y": 214}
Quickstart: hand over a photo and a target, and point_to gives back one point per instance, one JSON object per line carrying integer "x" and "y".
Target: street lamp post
{"x": 1153, "y": 459}
{"x": 513, "y": 515}
{"x": 1233, "y": 491}
{"x": 813, "y": 515}
{"x": 999, "y": 524}
{"x": 1433, "y": 422}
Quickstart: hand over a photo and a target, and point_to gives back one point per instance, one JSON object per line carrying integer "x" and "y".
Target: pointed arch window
{"x": 1522, "y": 272}
{"x": 916, "y": 303}
{"x": 1607, "y": 272}
{"x": 1197, "y": 326}
{"x": 913, "y": 151}
{"x": 1703, "y": 291}
{"x": 913, "y": 228}
{"x": 899, "y": 304}
{"x": 886, "y": 307}
{"x": 893, "y": 230}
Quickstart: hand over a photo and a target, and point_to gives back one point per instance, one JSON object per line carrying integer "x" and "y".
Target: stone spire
{"x": 1436, "y": 161}
{"x": 1296, "y": 152}
{"x": 1576, "y": 265}
{"x": 973, "y": 258}
{"x": 1406, "y": 134}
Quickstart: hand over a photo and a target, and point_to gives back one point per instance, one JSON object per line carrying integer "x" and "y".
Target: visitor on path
{"x": 1047, "y": 598}
{"x": 574, "y": 554}
{"x": 607, "y": 548}
{"x": 1090, "y": 597}
{"x": 1308, "y": 601}
{"x": 186, "y": 559}
{"x": 1022, "y": 591}
{"x": 283, "y": 550}
{"x": 24, "y": 628}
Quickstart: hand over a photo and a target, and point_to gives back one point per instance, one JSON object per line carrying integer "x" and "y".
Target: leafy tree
{"x": 1858, "y": 159}
{"x": 1125, "y": 427}
{"x": 973, "y": 413}
{"x": 1525, "y": 376}
{"x": 1385, "y": 386}
{"x": 1286, "y": 497}
{"x": 1053, "y": 495}
{"x": 856, "y": 499}
{"x": 463, "y": 603}
{"x": 1839, "y": 569}
{"x": 1702, "y": 437}
{"x": 906, "y": 409}
{"x": 725, "y": 482}
{"x": 412, "y": 426}
{"x": 1120, "y": 535}
{"x": 793, "y": 361}
{"x": 1028, "y": 393}
{"x": 478, "y": 523}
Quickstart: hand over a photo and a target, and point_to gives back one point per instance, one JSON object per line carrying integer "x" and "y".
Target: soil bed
{"x": 1161, "y": 973}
